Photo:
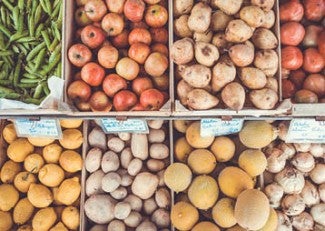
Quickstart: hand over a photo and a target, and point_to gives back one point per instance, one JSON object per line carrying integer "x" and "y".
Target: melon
{"x": 223, "y": 213}
{"x": 182, "y": 125}
{"x": 252, "y": 209}
{"x": 203, "y": 192}
{"x": 252, "y": 161}
{"x": 178, "y": 177}
{"x": 272, "y": 222}
{"x": 223, "y": 148}
{"x": 233, "y": 180}
{"x": 70, "y": 123}
{"x": 184, "y": 216}
{"x": 202, "y": 161}
{"x": 40, "y": 142}
{"x": 194, "y": 138}
{"x": 206, "y": 226}
{"x": 257, "y": 134}
{"x": 182, "y": 149}
{"x": 236, "y": 228}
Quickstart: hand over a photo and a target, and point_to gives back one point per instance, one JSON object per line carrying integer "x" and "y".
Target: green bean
{"x": 38, "y": 14}
{"x": 38, "y": 91}
{"x": 22, "y": 48}
{"x": 46, "y": 38}
{"x": 39, "y": 30}
{"x": 5, "y": 90}
{"x": 30, "y": 100}
{"x": 56, "y": 31}
{"x": 56, "y": 10}
{"x": 8, "y": 59}
{"x": 55, "y": 53}
{"x": 5, "y": 31}
{"x": 46, "y": 88}
{"x": 58, "y": 70}
{"x": 8, "y": 5}
{"x": 48, "y": 6}
{"x": 6, "y": 53}
{"x": 31, "y": 26}
{"x": 17, "y": 36}
{"x": 15, "y": 49}
{"x": 26, "y": 39}
{"x": 39, "y": 59}
{"x": 26, "y": 80}
{"x": 30, "y": 76}
{"x": 21, "y": 22}
{"x": 26, "y": 85}
{"x": 3, "y": 15}
{"x": 35, "y": 51}
{"x": 44, "y": 6}
{"x": 54, "y": 44}
{"x": 11, "y": 95}
{"x": 21, "y": 4}
{"x": 3, "y": 75}
{"x": 51, "y": 65}
{"x": 15, "y": 16}
{"x": 17, "y": 70}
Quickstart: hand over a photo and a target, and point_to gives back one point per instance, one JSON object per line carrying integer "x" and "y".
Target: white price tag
{"x": 306, "y": 131}
{"x": 218, "y": 127}
{"x": 47, "y": 128}
{"x": 130, "y": 125}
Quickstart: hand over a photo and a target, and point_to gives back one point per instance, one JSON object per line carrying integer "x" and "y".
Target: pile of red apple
{"x": 120, "y": 54}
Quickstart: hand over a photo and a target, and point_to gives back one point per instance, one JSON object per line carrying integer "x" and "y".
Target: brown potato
{"x": 267, "y": 61}
{"x": 197, "y": 75}
{"x": 264, "y": 99}
{"x": 230, "y": 7}
{"x": 266, "y": 5}
{"x": 182, "y": 51}
{"x": 238, "y": 31}
{"x": 223, "y": 73}
{"x": 272, "y": 83}
{"x": 200, "y": 99}
{"x": 219, "y": 40}
{"x": 233, "y": 95}
{"x": 269, "y": 19}
{"x": 219, "y": 20}
{"x": 264, "y": 39}
{"x": 242, "y": 54}
{"x": 206, "y": 53}
{"x": 252, "y": 15}
{"x": 181, "y": 28}
{"x": 253, "y": 78}
{"x": 200, "y": 17}
{"x": 203, "y": 37}
{"x": 182, "y": 7}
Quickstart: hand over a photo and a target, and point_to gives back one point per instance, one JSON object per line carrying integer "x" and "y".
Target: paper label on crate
{"x": 43, "y": 128}
{"x": 130, "y": 125}
{"x": 306, "y": 131}
{"x": 218, "y": 127}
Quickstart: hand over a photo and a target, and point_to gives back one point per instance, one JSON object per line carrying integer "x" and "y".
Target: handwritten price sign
{"x": 306, "y": 131}
{"x": 130, "y": 125}
{"x": 218, "y": 127}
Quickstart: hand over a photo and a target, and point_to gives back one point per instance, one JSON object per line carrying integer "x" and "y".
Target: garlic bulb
{"x": 318, "y": 213}
{"x": 317, "y": 175}
{"x": 303, "y": 161}
{"x": 321, "y": 191}
{"x": 302, "y": 147}
{"x": 284, "y": 223}
{"x": 291, "y": 180}
{"x": 303, "y": 222}
{"x": 293, "y": 205}
{"x": 283, "y": 129}
{"x": 275, "y": 193}
{"x": 268, "y": 177}
{"x": 310, "y": 194}
{"x": 288, "y": 150}
{"x": 317, "y": 150}
{"x": 275, "y": 160}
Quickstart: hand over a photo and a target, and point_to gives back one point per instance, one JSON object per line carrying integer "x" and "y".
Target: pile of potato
{"x": 40, "y": 182}
{"x": 223, "y": 50}
{"x": 125, "y": 188}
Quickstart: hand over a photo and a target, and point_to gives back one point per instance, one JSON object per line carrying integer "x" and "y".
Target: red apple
{"x": 79, "y": 54}
{"x": 100, "y": 102}
{"x": 159, "y": 35}
{"x": 93, "y": 74}
{"x": 97, "y": 24}
{"x": 113, "y": 24}
{"x": 139, "y": 35}
{"x": 121, "y": 40}
{"x": 115, "y": 6}
{"x": 81, "y": 2}
{"x": 140, "y": 24}
{"x": 92, "y": 36}
{"x": 139, "y": 52}
{"x": 107, "y": 56}
{"x": 152, "y": 99}
{"x": 124, "y": 100}
{"x": 151, "y": 2}
{"x": 134, "y": 10}
{"x": 82, "y": 106}
{"x": 141, "y": 84}
{"x": 161, "y": 82}
{"x": 79, "y": 90}
{"x": 95, "y": 9}
{"x": 113, "y": 83}
{"x": 156, "y": 16}
{"x": 160, "y": 47}
{"x": 77, "y": 76}
{"x": 156, "y": 64}
{"x": 138, "y": 107}
{"x": 127, "y": 68}
{"x": 81, "y": 17}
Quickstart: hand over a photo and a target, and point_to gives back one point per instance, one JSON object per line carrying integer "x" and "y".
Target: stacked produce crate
{"x": 162, "y": 115}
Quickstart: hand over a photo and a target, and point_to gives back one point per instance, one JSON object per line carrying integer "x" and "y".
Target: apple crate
{"x": 72, "y": 36}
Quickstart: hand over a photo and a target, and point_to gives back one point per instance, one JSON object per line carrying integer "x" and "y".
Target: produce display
{"x": 226, "y": 54}
{"x": 40, "y": 180}
{"x": 120, "y": 55}
{"x": 303, "y": 50}
{"x": 30, "y": 48}
{"x": 125, "y": 187}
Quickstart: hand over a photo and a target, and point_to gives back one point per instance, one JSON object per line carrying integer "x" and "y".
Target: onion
{"x": 288, "y": 150}
{"x": 302, "y": 147}
{"x": 303, "y": 161}
{"x": 275, "y": 160}
{"x": 310, "y": 194}
{"x": 275, "y": 193}
{"x": 317, "y": 150}
{"x": 317, "y": 175}
{"x": 293, "y": 205}
{"x": 284, "y": 223}
{"x": 283, "y": 129}
{"x": 303, "y": 222}
{"x": 318, "y": 213}
{"x": 268, "y": 177}
{"x": 291, "y": 180}
{"x": 321, "y": 191}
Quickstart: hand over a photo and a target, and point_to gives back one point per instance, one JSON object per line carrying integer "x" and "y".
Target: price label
{"x": 47, "y": 128}
{"x": 218, "y": 127}
{"x": 130, "y": 125}
{"x": 306, "y": 131}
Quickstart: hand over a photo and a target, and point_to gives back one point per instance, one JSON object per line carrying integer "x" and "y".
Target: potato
{"x": 200, "y": 17}
{"x": 125, "y": 136}
{"x": 181, "y": 27}
{"x": 100, "y": 208}
{"x": 155, "y": 165}
{"x": 266, "y": 5}
{"x": 149, "y": 206}
{"x": 134, "y": 201}
{"x": 183, "y": 88}
{"x": 146, "y": 226}
{"x": 115, "y": 144}
{"x": 269, "y": 19}
{"x": 160, "y": 175}
{"x": 200, "y": 99}
{"x": 156, "y": 136}
{"x": 122, "y": 210}
{"x": 116, "y": 225}
{"x": 206, "y": 53}
{"x": 182, "y": 51}
{"x": 264, "y": 39}
{"x": 120, "y": 193}
{"x": 253, "y": 78}
{"x": 182, "y": 7}
{"x": 242, "y": 54}
{"x": 238, "y": 31}
{"x": 252, "y": 15}
{"x": 230, "y": 7}
{"x": 219, "y": 40}
{"x": 267, "y": 61}
{"x": 203, "y": 37}
{"x": 133, "y": 220}
{"x": 97, "y": 138}
{"x": 162, "y": 198}
{"x": 219, "y": 20}
{"x": 126, "y": 157}
{"x": 155, "y": 124}
{"x": 197, "y": 75}
{"x": 233, "y": 95}
{"x": 159, "y": 151}
{"x": 9, "y": 170}
{"x": 111, "y": 181}
{"x": 98, "y": 228}
{"x": 264, "y": 99}
{"x": 110, "y": 162}
{"x": 126, "y": 179}
{"x": 272, "y": 83}
{"x": 223, "y": 73}
{"x": 139, "y": 146}
{"x": 161, "y": 218}
{"x": 149, "y": 180}
{"x": 93, "y": 159}
{"x": 135, "y": 166}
